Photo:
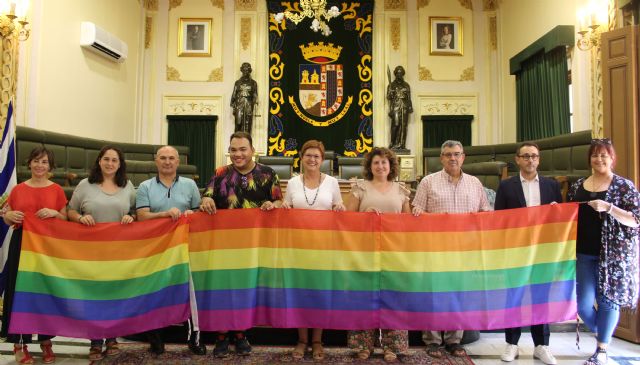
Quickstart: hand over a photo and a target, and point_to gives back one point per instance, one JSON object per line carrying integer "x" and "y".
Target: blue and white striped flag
{"x": 7, "y": 182}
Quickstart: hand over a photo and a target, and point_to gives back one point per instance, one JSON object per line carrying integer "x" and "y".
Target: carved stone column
{"x": 8, "y": 75}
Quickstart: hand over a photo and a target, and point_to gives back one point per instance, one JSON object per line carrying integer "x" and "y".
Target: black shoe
{"x": 221, "y": 349}
{"x": 197, "y": 349}
{"x": 156, "y": 345}
{"x": 243, "y": 348}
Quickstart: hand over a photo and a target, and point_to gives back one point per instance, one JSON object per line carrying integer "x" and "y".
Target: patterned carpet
{"x": 136, "y": 354}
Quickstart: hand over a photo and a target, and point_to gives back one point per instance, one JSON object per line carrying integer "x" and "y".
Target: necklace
{"x": 596, "y": 190}
{"x": 304, "y": 190}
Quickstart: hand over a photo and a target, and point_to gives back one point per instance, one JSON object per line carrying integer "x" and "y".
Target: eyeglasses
{"x": 602, "y": 156}
{"x": 597, "y": 141}
{"x": 312, "y": 157}
{"x": 528, "y": 157}
{"x": 452, "y": 154}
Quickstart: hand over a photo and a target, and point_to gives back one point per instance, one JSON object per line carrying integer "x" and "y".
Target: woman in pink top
{"x": 379, "y": 193}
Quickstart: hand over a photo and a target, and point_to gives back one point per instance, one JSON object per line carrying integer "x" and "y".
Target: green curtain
{"x": 542, "y": 96}
{"x": 199, "y": 133}
{"x": 438, "y": 128}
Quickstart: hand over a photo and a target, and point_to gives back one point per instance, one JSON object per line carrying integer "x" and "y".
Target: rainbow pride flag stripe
{"x": 348, "y": 270}
{"x": 298, "y": 268}
{"x": 104, "y": 281}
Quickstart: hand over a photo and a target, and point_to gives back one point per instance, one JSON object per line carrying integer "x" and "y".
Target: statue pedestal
{"x": 406, "y": 165}
{"x": 401, "y": 151}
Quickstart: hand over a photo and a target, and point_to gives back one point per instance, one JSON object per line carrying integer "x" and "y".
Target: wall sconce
{"x": 589, "y": 37}
{"x": 13, "y": 19}
{"x": 589, "y": 20}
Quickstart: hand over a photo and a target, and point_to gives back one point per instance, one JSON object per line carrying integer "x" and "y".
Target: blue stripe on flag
{"x": 7, "y": 176}
{"x": 7, "y": 182}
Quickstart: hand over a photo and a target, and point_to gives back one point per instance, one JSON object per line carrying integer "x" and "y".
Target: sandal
{"x": 48, "y": 357}
{"x": 434, "y": 350}
{"x": 299, "y": 350}
{"x": 112, "y": 348}
{"x": 390, "y": 356}
{"x": 22, "y": 354}
{"x": 95, "y": 353}
{"x": 595, "y": 359}
{"x": 364, "y": 354}
{"x": 455, "y": 350}
{"x": 317, "y": 351}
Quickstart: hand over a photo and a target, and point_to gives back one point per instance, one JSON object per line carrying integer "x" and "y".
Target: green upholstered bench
{"x": 350, "y": 167}
{"x": 75, "y": 155}
{"x": 489, "y": 173}
{"x": 563, "y": 156}
{"x": 283, "y": 166}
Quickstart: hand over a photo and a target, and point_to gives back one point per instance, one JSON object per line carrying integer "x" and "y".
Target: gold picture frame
{"x": 194, "y": 37}
{"x": 446, "y": 37}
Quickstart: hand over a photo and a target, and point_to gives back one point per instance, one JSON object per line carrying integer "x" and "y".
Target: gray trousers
{"x": 442, "y": 337}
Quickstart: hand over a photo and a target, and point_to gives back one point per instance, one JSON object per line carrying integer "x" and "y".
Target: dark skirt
{"x": 13, "y": 260}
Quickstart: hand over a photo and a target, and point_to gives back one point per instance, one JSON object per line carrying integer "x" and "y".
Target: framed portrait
{"x": 194, "y": 38}
{"x": 446, "y": 35}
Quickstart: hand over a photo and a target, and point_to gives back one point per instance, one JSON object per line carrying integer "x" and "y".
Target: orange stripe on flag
{"x": 255, "y": 218}
{"x": 501, "y": 219}
{"x": 108, "y": 231}
{"x": 281, "y": 238}
{"x": 475, "y": 241}
{"x": 109, "y": 251}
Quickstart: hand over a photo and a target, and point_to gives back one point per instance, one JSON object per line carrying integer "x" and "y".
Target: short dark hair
{"x": 95, "y": 175}
{"x": 526, "y": 144}
{"x": 385, "y": 153}
{"x": 40, "y": 151}
{"x": 242, "y": 134}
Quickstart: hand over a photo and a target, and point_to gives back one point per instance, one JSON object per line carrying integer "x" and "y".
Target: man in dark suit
{"x": 528, "y": 189}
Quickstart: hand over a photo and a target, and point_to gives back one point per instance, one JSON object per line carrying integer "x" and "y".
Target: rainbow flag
{"x": 104, "y": 281}
{"x": 296, "y": 268}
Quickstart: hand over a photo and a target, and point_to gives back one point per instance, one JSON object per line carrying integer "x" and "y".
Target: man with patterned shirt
{"x": 243, "y": 184}
{"x": 449, "y": 191}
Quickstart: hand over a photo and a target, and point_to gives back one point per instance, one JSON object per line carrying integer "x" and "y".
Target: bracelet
{"x": 610, "y": 208}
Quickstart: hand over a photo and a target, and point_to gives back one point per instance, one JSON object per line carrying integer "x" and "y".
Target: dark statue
{"x": 399, "y": 96}
{"x": 243, "y": 99}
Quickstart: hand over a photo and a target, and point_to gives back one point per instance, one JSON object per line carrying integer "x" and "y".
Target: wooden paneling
{"x": 620, "y": 97}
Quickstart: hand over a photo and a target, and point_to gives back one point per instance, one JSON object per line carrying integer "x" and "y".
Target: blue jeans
{"x": 602, "y": 321}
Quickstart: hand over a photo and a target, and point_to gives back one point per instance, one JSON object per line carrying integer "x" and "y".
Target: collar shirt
{"x": 531, "y": 190}
{"x": 182, "y": 194}
{"x": 437, "y": 193}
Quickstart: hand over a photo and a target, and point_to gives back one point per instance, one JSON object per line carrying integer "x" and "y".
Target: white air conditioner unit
{"x": 102, "y": 42}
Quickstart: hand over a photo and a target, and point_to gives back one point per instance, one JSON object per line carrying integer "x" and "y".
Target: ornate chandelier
{"x": 13, "y": 19}
{"x": 314, "y": 9}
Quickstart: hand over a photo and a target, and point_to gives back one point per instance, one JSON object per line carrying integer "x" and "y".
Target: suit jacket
{"x": 510, "y": 194}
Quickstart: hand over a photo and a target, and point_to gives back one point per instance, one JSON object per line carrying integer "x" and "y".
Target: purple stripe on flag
{"x": 61, "y": 326}
{"x": 480, "y": 320}
{"x": 220, "y": 320}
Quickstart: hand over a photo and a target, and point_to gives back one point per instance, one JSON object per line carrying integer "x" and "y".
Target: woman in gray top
{"x": 105, "y": 196}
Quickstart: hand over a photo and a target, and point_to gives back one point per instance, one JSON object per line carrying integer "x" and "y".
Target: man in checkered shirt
{"x": 449, "y": 191}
